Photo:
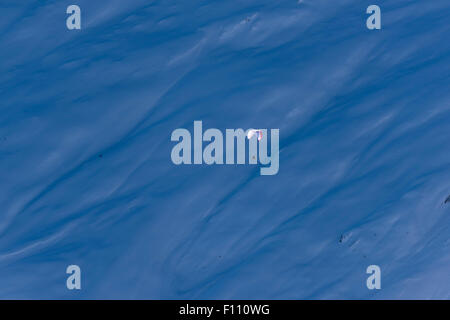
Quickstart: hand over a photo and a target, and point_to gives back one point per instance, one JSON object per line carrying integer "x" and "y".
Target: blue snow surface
{"x": 86, "y": 176}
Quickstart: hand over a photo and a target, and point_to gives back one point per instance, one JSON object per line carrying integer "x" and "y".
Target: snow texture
{"x": 86, "y": 176}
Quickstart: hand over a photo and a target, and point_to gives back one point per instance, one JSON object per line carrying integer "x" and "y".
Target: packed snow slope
{"x": 86, "y": 176}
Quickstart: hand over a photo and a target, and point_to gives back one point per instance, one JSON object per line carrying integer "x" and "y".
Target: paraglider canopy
{"x": 252, "y": 132}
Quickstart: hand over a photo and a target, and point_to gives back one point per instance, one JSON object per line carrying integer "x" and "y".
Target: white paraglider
{"x": 252, "y": 132}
